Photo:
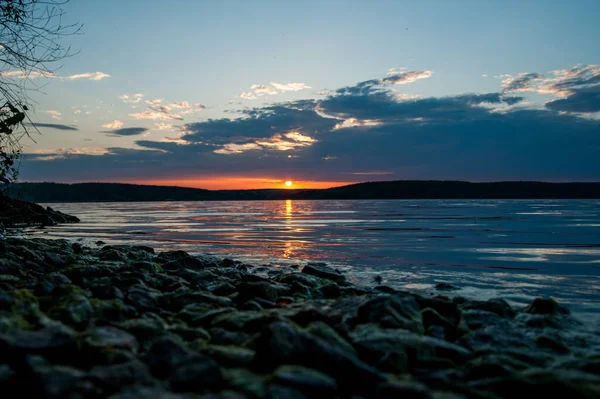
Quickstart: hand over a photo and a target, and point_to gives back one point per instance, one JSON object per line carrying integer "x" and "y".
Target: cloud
{"x": 583, "y": 100}
{"x": 577, "y": 87}
{"x": 88, "y": 75}
{"x": 353, "y": 122}
{"x": 522, "y": 82}
{"x": 27, "y": 75}
{"x": 54, "y": 114}
{"x": 64, "y": 153}
{"x": 290, "y": 86}
{"x": 181, "y": 104}
{"x": 360, "y": 130}
{"x": 261, "y": 90}
{"x": 163, "y": 126}
{"x": 248, "y": 95}
{"x": 116, "y": 124}
{"x": 157, "y": 112}
{"x": 128, "y": 131}
{"x": 53, "y": 126}
{"x": 133, "y": 99}
{"x": 154, "y": 102}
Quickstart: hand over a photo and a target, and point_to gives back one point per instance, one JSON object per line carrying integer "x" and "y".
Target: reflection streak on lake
{"x": 515, "y": 249}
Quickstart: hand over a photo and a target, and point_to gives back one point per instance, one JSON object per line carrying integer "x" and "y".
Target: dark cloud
{"x": 127, "y": 131}
{"x": 260, "y": 123}
{"x": 369, "y": 103}
{"x": 580, "y": 101}
{"x": 53, "y": 126}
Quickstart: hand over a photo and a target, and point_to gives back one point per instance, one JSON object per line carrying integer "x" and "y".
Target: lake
{"x": 515, "y": 249}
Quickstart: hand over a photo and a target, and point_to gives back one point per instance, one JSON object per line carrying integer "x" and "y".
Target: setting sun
{"x": 288, "y": 183}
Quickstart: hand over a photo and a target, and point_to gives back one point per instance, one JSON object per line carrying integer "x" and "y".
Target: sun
{"x": 288, "y": 183}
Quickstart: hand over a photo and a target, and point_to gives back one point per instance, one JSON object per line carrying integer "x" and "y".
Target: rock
{"x": 111, "y": 337}
{"x": 328, "y": 334}
{"x": 308, "y": 381}
{"x": 275, "y": 391}
{"x": 323, "y": 271}
{"x": 56, "y": 343}
{"x": 401, "y": 351}
{"x": 229, "y": 355}
{"x": 545, "y": 306}
{"x": 54, "y": 381}
{"x": 198, "y": 374}
{"x": 543, "y": 383}
{"x": 143, "y": 298}
{"x": 553, "y": 342}
{"x": 247, "y": 383}
{"x": 74, "y": 310}
{"x": 219, "y": 336}
{"x": 196, "y": 315}
{"x": 250, "y": 291}
{"x": 476, "y": 319}
{"x": 281, "y": 343}
{"x": 112, "y": 378}
{"x": 431, "y": 318}
{"x": 165, "y": 355}
{"x": 141, "y": 392}
{"x": 403, "y": 389}
{"x": 498, "y": 306}
{"x": 496, "y": 340}
{"x": 391, "y": 311}
{"x": 445, "y": 286}
{"x": 112, "y": 255}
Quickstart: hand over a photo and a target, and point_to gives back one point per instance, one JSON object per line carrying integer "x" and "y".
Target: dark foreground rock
{"x": 124, "y": 322}
{"x": 14, "y": 213}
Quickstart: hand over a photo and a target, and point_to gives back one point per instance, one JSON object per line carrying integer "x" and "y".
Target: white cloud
{"x": 290, "y": 86}
{"x": 163, "y": 126}
{"x": 61, "y": 153}
{"x": 181, "y": 104}
{"x": 248, "y": 95}
{"x": 278, "y": 142}
{"x": 116, "y": 124}
{"x": 402, "y": 78}
{"x": 77, "y": 111}
{"x": 154, "y": 102}
{"x": 136, "y": 98}
{"x": 54, "y": 114}
{"x": 89, "y": 76}
{"x": 259, "y": 90}
{"x": 28, "y": 75}
{"x": 237, "y": 148}
{"x": 43, "y": 74}
{"x": 275, "y": 88}
{"x": 353, "y": 122}
{"x": 157, "y": 112}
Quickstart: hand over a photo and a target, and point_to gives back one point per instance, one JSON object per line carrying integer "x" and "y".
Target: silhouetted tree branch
{"x": 30, "y": 45}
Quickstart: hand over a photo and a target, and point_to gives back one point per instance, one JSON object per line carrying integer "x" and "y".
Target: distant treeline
{"x": 409, "y": 189}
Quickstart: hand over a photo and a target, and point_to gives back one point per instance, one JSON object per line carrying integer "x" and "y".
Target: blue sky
{"x": 201, "y": 59}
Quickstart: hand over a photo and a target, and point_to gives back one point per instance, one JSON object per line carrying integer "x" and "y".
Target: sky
{"x": 239, "y": 94}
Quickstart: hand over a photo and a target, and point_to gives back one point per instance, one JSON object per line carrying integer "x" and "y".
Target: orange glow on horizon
{"x": 238, "y": 183}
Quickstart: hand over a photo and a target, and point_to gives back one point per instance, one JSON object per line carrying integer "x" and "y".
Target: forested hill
{"x": 86, "y": 192}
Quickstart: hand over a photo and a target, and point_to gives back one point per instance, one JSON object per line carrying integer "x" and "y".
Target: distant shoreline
{"x": 385, "y": 190}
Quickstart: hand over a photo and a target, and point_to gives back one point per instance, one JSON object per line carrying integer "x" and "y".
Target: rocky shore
{"x": 125, "y": 322}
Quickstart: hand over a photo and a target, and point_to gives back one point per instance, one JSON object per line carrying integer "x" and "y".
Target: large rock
{"x": 281, "y": 343}
{"x": 392, "y": 311}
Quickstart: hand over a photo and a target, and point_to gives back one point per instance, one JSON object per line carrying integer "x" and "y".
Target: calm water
{"x": 513, "y": 249}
